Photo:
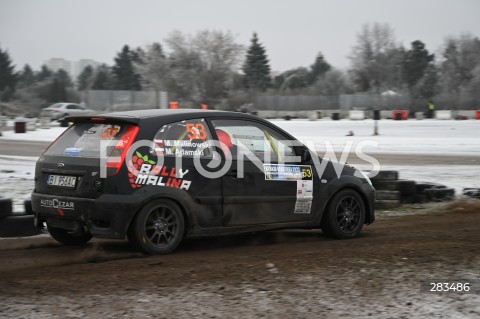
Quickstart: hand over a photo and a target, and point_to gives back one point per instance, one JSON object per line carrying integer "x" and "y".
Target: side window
{"x": 71, "y": 107}
{"x": 186, "y": 139}
{"x": 255, "y": 138}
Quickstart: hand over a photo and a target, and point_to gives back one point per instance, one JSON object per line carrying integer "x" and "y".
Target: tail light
{"x": 119, "y": 152}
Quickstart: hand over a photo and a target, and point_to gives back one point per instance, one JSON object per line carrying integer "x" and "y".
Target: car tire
{"x": 158, "y": 228}
{"x": 69, "y": 238}
{"x": 5, "y": 207}
{"x": 345, "y": 215}
{"x": 472, "y": 192}
{"x": 386, "y": 175}
{"x": 387, "y": 195}
{"x": 440, "y": 194}
{"x": 387, "y": 203}
{"x": 385, "y": 185}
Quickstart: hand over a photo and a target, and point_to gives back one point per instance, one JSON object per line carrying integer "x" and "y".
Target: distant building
{"x": 55, "y": 64}
{"x": 72, "y": 68}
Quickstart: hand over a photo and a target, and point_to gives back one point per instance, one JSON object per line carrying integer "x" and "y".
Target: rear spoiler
{"x": 102, "y": 118}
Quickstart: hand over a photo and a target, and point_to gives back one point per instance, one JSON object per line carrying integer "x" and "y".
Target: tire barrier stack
{"x": 15, "y": 225}
{"x": 472, "y": 192}
{"x": 393, "y": 192}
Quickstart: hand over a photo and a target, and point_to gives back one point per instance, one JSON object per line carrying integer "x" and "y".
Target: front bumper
{"x": 370, "y": 194}
{"x": 107, "y": 216}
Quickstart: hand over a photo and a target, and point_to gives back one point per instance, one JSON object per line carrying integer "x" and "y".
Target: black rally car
{"x": 158, "y": 176}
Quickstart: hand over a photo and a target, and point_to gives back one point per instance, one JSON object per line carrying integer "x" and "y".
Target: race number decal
{"x": 196, "y": 131}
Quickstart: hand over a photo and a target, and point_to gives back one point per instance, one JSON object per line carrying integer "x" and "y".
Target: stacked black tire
{"x": 16, "y": 225}
{"x": 472, "y": 192}
{"x": 392, "y": 191}
{"x": 5, "y": 207}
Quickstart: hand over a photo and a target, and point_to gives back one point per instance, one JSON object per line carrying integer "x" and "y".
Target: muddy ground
{"x": 281, "y": 274}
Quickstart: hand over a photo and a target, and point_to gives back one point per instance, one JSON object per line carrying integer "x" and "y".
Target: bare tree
{"x": 153, "y": 66}
{"x": 461, "y": 56}
{"x": 376, "y": 59}
{"x": 201, "y": 68}
{"x": 334, "y": 82}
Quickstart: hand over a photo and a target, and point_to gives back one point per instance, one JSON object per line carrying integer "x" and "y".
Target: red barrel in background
{"x": 478, "y": 115}
{"x": 20, "y": 126}
{"x": 399, "y": 115}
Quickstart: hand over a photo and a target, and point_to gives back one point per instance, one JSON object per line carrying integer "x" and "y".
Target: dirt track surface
{"x": 282, "y": 274}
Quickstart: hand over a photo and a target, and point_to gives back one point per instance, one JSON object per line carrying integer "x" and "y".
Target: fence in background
{"x": 361, "y": 101}
{"x": 106, "y": 100}
{"x": 296, "y": 102}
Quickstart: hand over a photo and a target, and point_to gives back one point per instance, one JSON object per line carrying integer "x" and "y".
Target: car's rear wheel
{"x": 345, "y": 215}
{"x": 70, "y": 238}
{"x": 158, "y": 228}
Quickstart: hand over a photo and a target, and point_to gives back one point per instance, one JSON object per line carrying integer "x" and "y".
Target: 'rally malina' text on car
{"x": 158, "y": 176}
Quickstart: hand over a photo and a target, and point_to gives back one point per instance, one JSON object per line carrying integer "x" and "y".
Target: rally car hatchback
{"x": 158, "y": 176}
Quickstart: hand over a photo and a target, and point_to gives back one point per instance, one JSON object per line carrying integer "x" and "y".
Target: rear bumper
{"x": 107, "y": 216}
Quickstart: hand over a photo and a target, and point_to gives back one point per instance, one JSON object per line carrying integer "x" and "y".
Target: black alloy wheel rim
{"x": 348, "y": 214}
{"x": 160, "y": 226}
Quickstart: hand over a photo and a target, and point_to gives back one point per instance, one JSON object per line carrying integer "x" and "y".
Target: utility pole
{"x": 376, "y": 117}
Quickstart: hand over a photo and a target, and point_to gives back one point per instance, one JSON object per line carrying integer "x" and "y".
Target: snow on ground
{"x": 16, "y": 174}
{"x": 39, "y": 135}
{"x": 405, "y": 137}
{"x": 453, "y": 176}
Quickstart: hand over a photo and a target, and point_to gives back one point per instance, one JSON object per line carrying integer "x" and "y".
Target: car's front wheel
{"x": 158, "y": 228}
{"x": 345, "y": 215}
{"x": 70, "y": 238}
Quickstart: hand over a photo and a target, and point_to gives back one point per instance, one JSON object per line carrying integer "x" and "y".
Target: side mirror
{"x": 306, "y": 155}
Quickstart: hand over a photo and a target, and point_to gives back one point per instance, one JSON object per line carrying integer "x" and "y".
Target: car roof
{"x": 167, "y": 112}
{"x": 171, "y": 114}
{"x": 151, "y": 117}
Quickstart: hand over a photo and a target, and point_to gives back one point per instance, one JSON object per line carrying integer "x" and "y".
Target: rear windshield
{"x": 83, "y": 139}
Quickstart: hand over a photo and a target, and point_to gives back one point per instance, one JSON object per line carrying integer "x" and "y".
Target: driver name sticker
{"x": 303, "y": 205}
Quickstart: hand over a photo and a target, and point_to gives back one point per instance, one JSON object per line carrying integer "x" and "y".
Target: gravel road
{"x": 281, "y": 274}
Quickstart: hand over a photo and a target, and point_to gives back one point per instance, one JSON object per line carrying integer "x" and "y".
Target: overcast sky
{"x": 292, "y": 31}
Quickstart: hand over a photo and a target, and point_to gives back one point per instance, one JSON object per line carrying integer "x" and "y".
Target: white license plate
{"x": 61, "y": 180}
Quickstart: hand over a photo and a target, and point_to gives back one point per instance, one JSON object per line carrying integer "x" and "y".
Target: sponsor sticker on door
{"x": 281, "y": 172}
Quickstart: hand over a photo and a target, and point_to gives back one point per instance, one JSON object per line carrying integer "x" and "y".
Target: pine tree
{"x": 26, "y": 78}
{"x": 43, "y": 74}
{"x": 256, "y": 67}
{"x": 64, "y": 78}
{"x": 415, "y": 62}
{"x": 85, "y": 78}
{"x": 125, "y": 76}
{"x": 8, "y": 78}
{"x": 103, "y": 78}
{"x": 58, "y": 91}
{"x": 318, "y": 68}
